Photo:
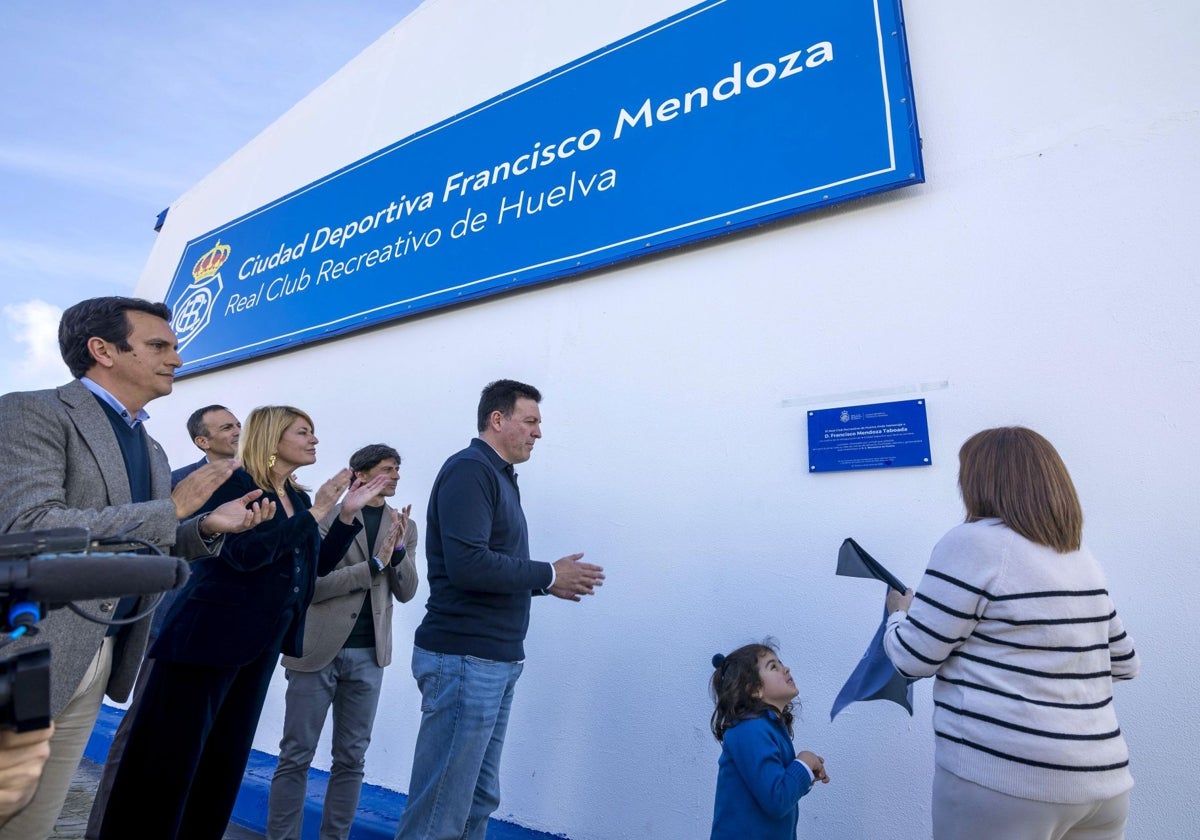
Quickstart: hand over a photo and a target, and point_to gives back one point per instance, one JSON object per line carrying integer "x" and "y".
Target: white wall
{"x": 1045, "y": 272}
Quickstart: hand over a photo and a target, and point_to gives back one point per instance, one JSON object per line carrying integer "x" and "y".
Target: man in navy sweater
{"x": 469, "y": 650}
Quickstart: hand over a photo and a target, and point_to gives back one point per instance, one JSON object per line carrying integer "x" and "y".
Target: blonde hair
{"x": 261, "y": 434}
{"x": 1014, "y": 474}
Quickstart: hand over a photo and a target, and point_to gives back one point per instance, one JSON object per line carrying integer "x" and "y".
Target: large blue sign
{"x": 723, "y": 116}
{"x": 869, "y": 437}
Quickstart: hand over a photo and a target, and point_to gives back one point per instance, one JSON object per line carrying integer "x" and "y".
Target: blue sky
{"x": 112, "y": 109}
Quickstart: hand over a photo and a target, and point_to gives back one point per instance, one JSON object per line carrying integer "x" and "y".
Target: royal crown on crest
{"x": 211, "y": 262}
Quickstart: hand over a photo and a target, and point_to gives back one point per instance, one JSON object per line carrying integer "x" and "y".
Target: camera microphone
{"x": 45, "y": 567}
{"x": 83, "y": 577}
{"x": 41, "y": 570}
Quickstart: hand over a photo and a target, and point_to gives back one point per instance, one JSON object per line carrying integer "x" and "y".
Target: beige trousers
{"x": 963, "y": 810}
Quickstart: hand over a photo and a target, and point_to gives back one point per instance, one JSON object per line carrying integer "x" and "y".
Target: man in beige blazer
{"x": 347, "y": 644}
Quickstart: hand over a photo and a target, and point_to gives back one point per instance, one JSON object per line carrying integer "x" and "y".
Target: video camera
{"x": 47, "y": 569}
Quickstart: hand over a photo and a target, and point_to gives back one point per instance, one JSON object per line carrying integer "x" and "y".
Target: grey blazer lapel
{"x": 160, "y": 470}
{"x": 94, "y": 429}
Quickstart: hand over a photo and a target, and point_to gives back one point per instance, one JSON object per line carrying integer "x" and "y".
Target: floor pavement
{"x": 73, "y": 820}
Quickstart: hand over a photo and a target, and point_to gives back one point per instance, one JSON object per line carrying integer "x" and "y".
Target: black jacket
{"x": 233, "y": 604}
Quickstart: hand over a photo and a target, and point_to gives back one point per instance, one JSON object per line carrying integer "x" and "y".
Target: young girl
{"x": 760, "y": 779}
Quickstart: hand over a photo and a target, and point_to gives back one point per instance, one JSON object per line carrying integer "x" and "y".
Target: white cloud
{"x": 33, "y": 326}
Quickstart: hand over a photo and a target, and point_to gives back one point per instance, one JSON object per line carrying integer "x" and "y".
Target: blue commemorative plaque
{"x": 869, "y": 437}
{"x": 727, "y": 115}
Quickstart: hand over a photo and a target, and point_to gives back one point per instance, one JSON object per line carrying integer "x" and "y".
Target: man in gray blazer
{"x": 347, "y": 644}
{"x": 79, "y": 456}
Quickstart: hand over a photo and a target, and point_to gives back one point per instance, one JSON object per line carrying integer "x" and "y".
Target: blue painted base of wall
{"x": 378, "y": 808}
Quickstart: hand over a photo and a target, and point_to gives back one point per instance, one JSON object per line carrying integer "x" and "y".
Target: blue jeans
{"x": 351, "y": 683}
{"x": 455, "y": 783}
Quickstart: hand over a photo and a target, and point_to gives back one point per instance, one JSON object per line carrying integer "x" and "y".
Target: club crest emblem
{"x": 194, "y": 307}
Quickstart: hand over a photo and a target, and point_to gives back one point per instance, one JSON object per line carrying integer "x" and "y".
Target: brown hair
{"x": 1015, "y": 475}
{"x": 733, "y": 685}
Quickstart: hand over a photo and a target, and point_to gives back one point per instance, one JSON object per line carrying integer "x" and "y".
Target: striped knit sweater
{"x": 1025, "y": 644}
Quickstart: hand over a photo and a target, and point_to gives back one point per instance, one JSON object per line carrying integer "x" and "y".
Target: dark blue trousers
{"x": 182, "y": 767}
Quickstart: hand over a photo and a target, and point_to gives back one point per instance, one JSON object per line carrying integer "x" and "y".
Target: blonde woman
{"x": 1014, "y": 620}
{"x": 221, "y": 641}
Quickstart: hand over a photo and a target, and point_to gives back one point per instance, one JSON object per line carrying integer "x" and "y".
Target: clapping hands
{"x": 237, "y": 515}
{"x": 360, "y": 494}
{"x": 397, "y": 527}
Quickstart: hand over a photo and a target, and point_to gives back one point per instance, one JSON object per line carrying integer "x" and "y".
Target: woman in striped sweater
{"x": 1014, "y": 620}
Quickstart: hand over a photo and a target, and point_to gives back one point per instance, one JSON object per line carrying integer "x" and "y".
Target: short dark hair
{"x": 502, "y": 396}
{"x": 369, "y": 457}
{"x": 102, "y": 317}
{"x": 195, "y": 424}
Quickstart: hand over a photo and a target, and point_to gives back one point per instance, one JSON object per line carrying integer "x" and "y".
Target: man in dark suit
{"x": 216, "y": 432}
{"x": 79, "y": 455}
